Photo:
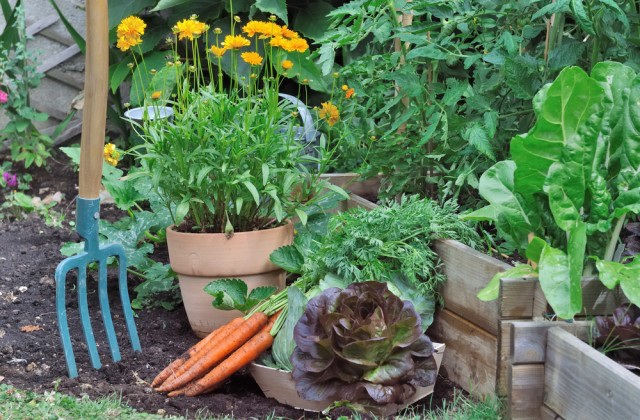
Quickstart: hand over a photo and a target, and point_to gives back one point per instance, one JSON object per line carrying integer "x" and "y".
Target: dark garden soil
{"x": 30, "y": 351}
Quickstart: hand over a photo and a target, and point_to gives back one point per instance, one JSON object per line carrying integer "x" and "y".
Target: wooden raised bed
{"x": 350, "y": 181}
{"x": 558, "y": 376}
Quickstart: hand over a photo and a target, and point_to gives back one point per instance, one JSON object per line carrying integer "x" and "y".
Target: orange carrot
{"x": 176, "y": 393}
{"x": 162, "y": 376}
{"x": 236, "y": 361}
{"x": 211, "y": 354}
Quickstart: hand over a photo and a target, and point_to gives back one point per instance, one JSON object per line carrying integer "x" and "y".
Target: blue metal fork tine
{"x": 117, "y": 249}
{"x": 106, "y": 311}
{"x": 85, "y": 319}
{"x": 63, "y": 323}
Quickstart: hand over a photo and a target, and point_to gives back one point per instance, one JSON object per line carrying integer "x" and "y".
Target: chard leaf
{"x": 569, "y": 116}
{"x": 626, "y": 275}
{"x": 283, "y": 343}
{"x": 560, "y": 274}
{"x": 505, "y": 210}
{"x": 492, "y": 290}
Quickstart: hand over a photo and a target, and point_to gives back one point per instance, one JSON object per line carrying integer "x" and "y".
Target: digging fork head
{"x": 87, "y": 217}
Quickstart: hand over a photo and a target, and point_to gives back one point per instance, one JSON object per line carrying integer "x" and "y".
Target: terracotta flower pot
{"x": 199, "y": 258}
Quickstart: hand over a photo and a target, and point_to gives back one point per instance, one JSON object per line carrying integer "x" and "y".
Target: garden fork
{"x": 88, "y": 205}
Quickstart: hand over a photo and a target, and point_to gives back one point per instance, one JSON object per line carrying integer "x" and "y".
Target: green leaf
{"x": 120, "y": 9}
{"x": 431, "y": 51}
{"x": 551, "y": 8}
{"x": 141, "y": 79}
{"x": 276, "y": 7}
{"x": 582, "y": 17}
{"x": 477, "y": 137}
{"x": 534, "y": 250}
{"x": 228, "y": 294}
{"x": 259, "y": 294}
{"x": 253, "y": 190}
{"x": 181, "y": 211}
{"x": 569, "y": 116}
{"x": 337, "y": 189}
{"x": 626, "y": 275}
{"x": 283, "y": 343}
{"x": 492, "y": 290}
{"x": 566, "y": 54}
{"x": 621, "y": 15}
{"x": 167, "y": 4}
{"x": 312, "y": 20}
{"x": 288, "y": 258}
{"x": 506, "y": 210}
{"x": 302, "y": 215}
{"x": 556, "y": 277}
{"x": 265, "y": 174}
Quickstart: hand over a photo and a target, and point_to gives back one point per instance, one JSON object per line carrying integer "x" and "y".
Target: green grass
{"x": 19, "y": 405}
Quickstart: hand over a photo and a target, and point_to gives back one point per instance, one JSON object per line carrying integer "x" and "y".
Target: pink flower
{"x": 3, "y": 97}
{"x": 10, "y": 179}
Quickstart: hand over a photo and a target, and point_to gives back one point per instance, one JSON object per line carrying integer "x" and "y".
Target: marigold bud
{"x": 273, "y": 18}
{"x": 217, "y": 31}
{"x": 237, "y": 19}
{"x": 130, "y": 65}
{"x": 192, "y": 68}
{"x": 336, "y": 75}
{"x": 153, "y": 71}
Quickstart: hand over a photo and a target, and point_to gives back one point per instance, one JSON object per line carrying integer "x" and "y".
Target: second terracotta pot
{"x": 199, "y": 258}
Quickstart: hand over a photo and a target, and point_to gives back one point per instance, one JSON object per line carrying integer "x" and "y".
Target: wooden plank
{"x": 582, "y": 383}
{"x": 355, "y": 201}
{"x": 468, "y": 271}
{"x": 517, "y": 297}
{"x": 58, "y": 58}
{"x": 34, "y": 28}
{"x": 471, "y": 356}
{"x": 526, "y": 396}
{"x": 350, "y": 182}
{"x": 548, "y": 414}
{"x": 529, "y": 339}
{"x": 72, "y": 78}
{"x": 504, "y": 355}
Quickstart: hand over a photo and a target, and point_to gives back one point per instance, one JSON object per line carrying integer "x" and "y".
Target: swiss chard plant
{"x": 573, "y": 180}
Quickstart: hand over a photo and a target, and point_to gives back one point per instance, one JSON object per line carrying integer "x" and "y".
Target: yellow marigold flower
{"x": 277, "y": 41}
{"x": 349, "y": 93}
{"x": 287, "y": 64}
{"x": 111, "y": 154}
{"x": 252, "y": 58}
{"x": 345, "y": 87}
{"x": 218, "y": 51}
{"x": 289, "y": 33}
{"x": 296, "y": 44}
{"x": 253, "y": 27}
{"x": 129, "y": 32}
{"x": 131, "y": 26}
{"x": 189, "y": 28}
{"x": 156, "y": 95}
{"x": 235, "y": 42}
{"x": 271, "y": 30}
{"x": 125, "y": 42}
{"x": 330, "y": 113}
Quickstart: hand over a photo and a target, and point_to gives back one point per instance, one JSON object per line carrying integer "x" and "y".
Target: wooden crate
{"x": 556, "y": 375}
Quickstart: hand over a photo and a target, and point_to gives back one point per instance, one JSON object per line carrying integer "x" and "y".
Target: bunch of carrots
{"x": 207, "y": 364}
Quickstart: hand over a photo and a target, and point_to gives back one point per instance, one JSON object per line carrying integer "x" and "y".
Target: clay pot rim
{"x": 287, "y": 225}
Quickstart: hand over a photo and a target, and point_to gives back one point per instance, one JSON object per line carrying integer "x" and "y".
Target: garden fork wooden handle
{"x": 95, "y": 98}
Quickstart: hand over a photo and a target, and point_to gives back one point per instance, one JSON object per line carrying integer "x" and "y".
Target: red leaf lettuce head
{"x": 362, "y": 344}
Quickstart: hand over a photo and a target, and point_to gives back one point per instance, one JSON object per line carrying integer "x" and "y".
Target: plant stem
{"x": 611, "y": 246}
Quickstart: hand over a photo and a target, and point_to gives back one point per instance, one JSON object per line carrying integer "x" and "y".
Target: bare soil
{"x": 31, "y": 358}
